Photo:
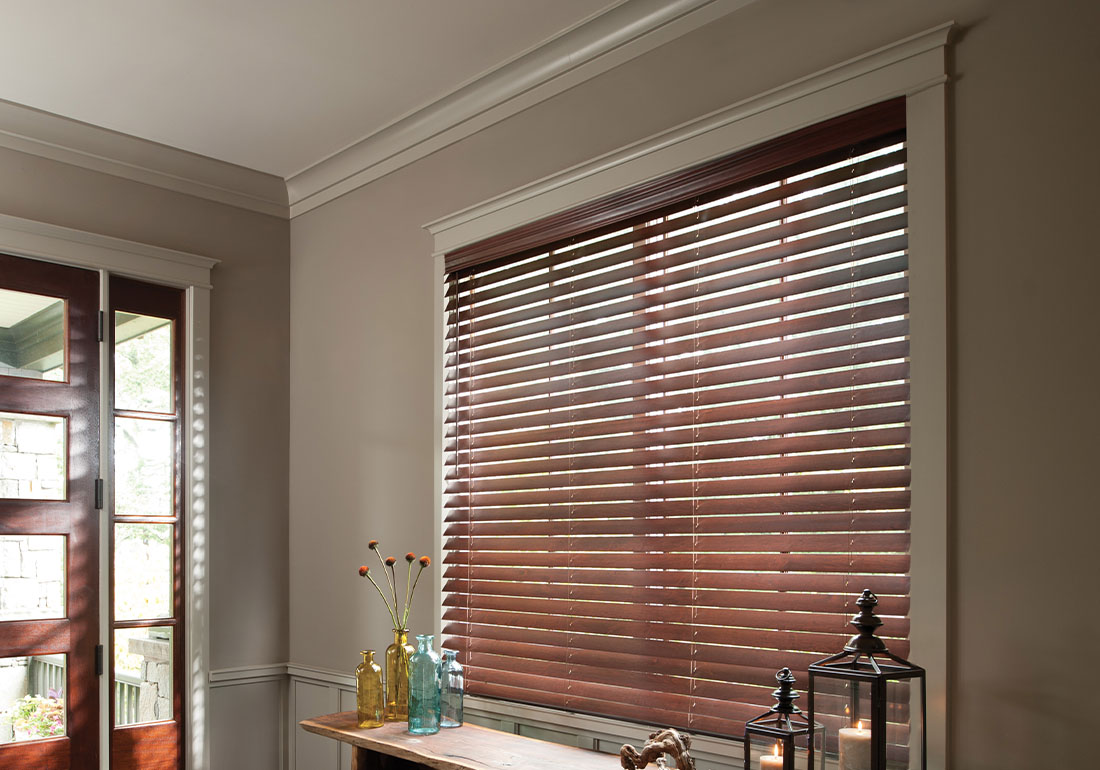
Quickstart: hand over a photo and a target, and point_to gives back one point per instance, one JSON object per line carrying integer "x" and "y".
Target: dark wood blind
{"x": 677, "y": 442}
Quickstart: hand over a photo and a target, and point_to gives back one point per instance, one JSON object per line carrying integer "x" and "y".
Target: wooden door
{"x": 145, "y": 332}
{"x": 49, "y": 528}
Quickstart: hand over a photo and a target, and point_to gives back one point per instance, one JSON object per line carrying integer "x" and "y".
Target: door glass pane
{"x": 32, "y": 456}
{"x": 143, "y": 571}
{"x": 143, "y": 363}
{"x": 32, "y": 577}
{"x": 32, "y": 336}
{"x": 32, "y": 697}
{"x": 143, "y": 467}
{"x": 143, "y": 675}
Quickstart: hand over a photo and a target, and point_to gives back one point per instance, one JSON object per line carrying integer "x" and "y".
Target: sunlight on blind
{"x": 676, "y": 451}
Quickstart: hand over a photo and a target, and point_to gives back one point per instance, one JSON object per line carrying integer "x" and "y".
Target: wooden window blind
{"x": 677, "y": 439}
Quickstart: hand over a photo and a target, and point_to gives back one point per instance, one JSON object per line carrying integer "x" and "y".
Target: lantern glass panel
{"x": 846, "y": 708}
{"x": 762, "y": 750}
{"x": 903, "y": 717}
{"x": 765, "y": 752}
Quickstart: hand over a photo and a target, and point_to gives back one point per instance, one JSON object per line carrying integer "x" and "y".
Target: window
{"x": 677, "y": 439}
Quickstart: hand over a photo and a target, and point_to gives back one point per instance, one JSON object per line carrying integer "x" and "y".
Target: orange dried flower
{"x": 364, "y": 570}
{"x": 372, "y": 544}
{"x": 425, "y": 561}
{"x": 390, "y": 561}
{"x": 410, "y": 556}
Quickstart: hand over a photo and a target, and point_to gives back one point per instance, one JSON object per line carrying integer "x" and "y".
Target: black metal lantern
{"x": 872, "y": 709}
{"x": 771, "y": 737}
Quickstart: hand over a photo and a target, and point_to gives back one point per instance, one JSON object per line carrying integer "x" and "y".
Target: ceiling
{"x": 16, "y": 306}
{"x": 271, "y": 85}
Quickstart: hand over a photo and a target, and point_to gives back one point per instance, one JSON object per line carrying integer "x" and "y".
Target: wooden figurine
{"x": 660, "y": 743}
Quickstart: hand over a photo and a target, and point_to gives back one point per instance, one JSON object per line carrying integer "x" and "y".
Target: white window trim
{"x": 191, "y": 272}
{"x": 914, "y": 68}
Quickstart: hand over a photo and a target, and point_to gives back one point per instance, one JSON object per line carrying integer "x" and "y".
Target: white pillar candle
{"x": 855, "y": 748}
{"x": 772, "y": 761}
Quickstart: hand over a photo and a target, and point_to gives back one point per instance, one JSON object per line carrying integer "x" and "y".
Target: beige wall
{"x": 1023, "y": 120}
{"x": 249, "y": 359}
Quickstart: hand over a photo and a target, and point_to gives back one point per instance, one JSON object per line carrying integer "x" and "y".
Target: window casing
{"x": 677, "y": 432}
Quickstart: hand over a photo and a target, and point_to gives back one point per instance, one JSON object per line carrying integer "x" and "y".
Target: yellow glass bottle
{"x": 369, "y": 695}
{"x": 397, "y": 676}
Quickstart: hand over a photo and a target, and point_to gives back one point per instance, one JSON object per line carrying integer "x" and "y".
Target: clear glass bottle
{"x": 452, "y": 687}
{"x": 424, "y": 688}
{"x": 369, "y": 696}
{"x": 397, "y": 676}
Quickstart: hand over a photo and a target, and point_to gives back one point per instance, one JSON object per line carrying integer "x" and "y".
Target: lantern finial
{"x": 785, "y": 696}
{"x": 867, "y": 622}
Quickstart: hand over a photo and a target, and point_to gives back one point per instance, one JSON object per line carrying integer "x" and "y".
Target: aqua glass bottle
{"x": 424, "y": 688}
{"x": 452, "y": 687}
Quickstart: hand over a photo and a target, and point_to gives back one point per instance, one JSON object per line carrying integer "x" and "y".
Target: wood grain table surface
{"x": 468, "y": 747}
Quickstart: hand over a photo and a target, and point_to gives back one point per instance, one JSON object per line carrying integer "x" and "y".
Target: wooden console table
{"x": 469, "y": 747}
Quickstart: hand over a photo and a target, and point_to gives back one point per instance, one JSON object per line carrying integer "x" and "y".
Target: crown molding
{"x": 589, "y": 48}
{"x": 54, "y": 137}
{"x": 580, "y": 53}
{"x": 903, "y": 68}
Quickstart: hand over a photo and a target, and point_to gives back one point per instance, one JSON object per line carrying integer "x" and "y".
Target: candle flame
{"x": 775, "y": 750}
{"x": 859, "y": 725}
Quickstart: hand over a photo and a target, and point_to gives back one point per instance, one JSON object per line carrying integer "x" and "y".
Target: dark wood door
{"x": 49, "y": 527}
{"x": 145, "y": 331}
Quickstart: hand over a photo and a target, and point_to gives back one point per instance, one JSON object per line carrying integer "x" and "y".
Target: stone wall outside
{"x": 31, "y": 457}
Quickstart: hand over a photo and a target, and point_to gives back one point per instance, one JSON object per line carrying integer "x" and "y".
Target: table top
{"x": 468, "y": 747}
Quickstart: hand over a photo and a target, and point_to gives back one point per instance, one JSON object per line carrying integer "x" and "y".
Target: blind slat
{"x": 815, "y": 252}
{"x": 758, "y": 447}
{"x": 800, "y": 463}
{"x": 752, "y": 638}
{"x": 847, "y": 500}
{"x": 856, "y": 563}
{"x": 670, "y": 424}
{"x": 680, "y": 339}
{"x": 804, "y": 374}
{"x": 733, "y": 235}
{"x": 671, "y": 278}
{"x": 660, "y": 595}
{"x": 528, "y": 273}
{"x": 861, "y": 521}
{"x": 590, "y": 376}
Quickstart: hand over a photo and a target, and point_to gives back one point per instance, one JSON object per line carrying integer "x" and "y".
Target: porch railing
{"x": 47, "y": 672}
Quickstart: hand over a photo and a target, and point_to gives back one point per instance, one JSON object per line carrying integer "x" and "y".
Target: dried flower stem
{"x": 385, "y": 601}
{"x": 408, "y": 575}
{"x": 389, "y": 583}
{"x": 405, "y": 618}
{"x": 393, "y": 590}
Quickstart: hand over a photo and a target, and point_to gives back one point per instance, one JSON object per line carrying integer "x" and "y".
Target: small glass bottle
{"x": 369, "y": 695}
{"x": 451, "y": 689}
{"x": 397, "y": 676}
{"x": 424, "y": 688}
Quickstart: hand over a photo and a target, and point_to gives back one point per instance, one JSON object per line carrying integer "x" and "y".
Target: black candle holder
{"x": 866, "y": 688}
{"x": 786, "y": 729}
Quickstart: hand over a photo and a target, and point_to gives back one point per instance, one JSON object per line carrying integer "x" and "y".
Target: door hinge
{"x": 99, "y": 660}
{"x": 99, "y": 494}
{"x": 102, "y": 331}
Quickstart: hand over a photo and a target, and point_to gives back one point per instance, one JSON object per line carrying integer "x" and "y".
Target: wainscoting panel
{"x": 247, "y": 722}
{"x": 313, "y": 751}
{"x": 315, "y": 691}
